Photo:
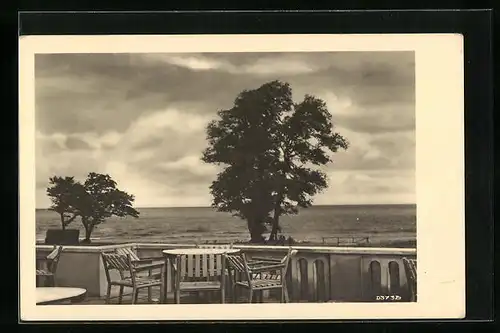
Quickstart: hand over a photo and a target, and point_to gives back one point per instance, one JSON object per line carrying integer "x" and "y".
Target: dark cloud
{"x": 75, "y": 90}
{"x": 148, "y": 143}
{"x": 74, "y": 143}
{"x": 399, "y": 118}
{"x": 47, "y": 146}
{"x": 179, "y": 180}
{"x": 119, "y": 88}
{"x": 390, "y": 151}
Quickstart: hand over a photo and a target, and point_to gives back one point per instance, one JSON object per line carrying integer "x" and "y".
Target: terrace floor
{"x": 186, "y": 298}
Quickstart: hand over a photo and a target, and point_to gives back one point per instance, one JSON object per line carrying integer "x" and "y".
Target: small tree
{"x": 60, "y": 192}
{"x": 99, "y": 199}
{"x": 269, "y": 146}
{"x": 94, "y": 201}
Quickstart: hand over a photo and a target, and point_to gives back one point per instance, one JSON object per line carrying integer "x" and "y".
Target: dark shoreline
{"x": 315, "y": 206}
{"x": 382, "y": 244}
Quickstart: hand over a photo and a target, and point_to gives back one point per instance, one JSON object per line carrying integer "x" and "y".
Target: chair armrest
{"x": 260, "y": 269}
{"x": 154, "y": 258}
{"x": 141, "y": 268}
{"x": 255, "y": 262}
{"x": 43, "y": 260}
{"x": 266, "y": 259}
{"x": 142, "y": 261}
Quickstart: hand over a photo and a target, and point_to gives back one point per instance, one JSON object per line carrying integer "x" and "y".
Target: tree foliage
{"x": 271, "y": 149}
{"x": 60, "y": 192}
{"x": 97, "y": 199}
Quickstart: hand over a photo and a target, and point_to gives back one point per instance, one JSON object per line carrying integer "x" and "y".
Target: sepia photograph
{"x": 224, "y": 177}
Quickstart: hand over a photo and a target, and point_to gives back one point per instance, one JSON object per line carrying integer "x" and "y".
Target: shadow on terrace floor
{"x": 193, "y": 298}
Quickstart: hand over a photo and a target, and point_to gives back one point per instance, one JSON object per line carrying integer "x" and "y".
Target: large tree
{"x": 97, "y": 199}
{"x": 271, "y": 149}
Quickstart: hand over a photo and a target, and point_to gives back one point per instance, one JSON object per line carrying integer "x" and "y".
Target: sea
{"x": 384, "y": 225}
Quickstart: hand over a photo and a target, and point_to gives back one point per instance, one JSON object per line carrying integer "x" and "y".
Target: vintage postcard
{"x": 241, "y": 177}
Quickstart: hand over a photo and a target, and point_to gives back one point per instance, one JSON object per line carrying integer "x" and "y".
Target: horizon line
{"x": 319, "y": 205}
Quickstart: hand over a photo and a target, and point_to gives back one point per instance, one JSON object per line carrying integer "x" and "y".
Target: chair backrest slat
{"x": 183, "y": 267}
{"x": 211, "y": 266}
{"x": 53, "y": 258}
{"x": 238, "y": 262}
{"x": 56, "y": 251}
{"x": 200, "y": 266}
{"x": 204, "y": 265}
{"x": 410, "y": 266}
{"x": 117, "y": 261}
{"x": 130, "y": 251}
{"x": 218, "y": 264}
{"x": 190, "y": 263}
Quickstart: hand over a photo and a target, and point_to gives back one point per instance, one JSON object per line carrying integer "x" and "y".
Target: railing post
{"x": 295, "y": 282}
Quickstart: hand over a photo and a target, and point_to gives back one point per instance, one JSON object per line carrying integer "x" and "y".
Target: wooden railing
{"x": 345, "y": 241}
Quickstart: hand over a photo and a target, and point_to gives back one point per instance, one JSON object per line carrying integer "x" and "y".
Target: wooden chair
{"x": 48, "y": 268}
{"x": 136, "y": 260}
{"x": 266, "y": 275}
{"x": 129, "y": 276}
{"x": 410, "y": 266}
{"x": 197, "y": 273}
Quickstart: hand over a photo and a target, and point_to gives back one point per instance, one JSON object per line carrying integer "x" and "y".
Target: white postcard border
{"x": 439, "y": 174}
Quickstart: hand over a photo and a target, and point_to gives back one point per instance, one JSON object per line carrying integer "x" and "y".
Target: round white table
{"x": 51, "y": 295}
{"x": 174, "y": 255}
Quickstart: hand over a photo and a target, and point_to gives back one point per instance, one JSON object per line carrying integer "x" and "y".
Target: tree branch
{"x": 67, "y": 222}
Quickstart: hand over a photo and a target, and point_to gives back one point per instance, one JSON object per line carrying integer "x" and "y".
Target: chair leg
{"x": 250, "y": 295}
{"x": 135, "y": 294}
{"x": 108, "y": 293}
{"x": 285, "y": 293}
{"x": 150, "y": 297}
{"x": 120, "y": 295}
{"x": 177, "y": 296}
{"x": 233, "y": 293}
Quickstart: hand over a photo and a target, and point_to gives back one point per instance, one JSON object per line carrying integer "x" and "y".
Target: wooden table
{"x": 174, "y": 256}
{"x": 54, "y": 295}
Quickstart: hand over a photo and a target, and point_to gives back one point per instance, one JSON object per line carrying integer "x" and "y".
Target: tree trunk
{"x": 276, "y": 218}
{"x": 88, "y": 232}
{"x": 255, "y": 231}
{"x": 274, "y": 231}
{"x": 89, "y": 227}
{"x": 63, "y": 224}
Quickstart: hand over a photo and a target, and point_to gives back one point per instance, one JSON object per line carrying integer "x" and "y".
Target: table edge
{"x": 62, "y": 298}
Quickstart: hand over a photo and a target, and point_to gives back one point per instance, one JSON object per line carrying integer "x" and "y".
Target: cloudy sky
{"x": 141, "y": 118}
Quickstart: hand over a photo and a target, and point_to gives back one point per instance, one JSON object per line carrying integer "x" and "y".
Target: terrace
{"x": 315, "y": 274}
